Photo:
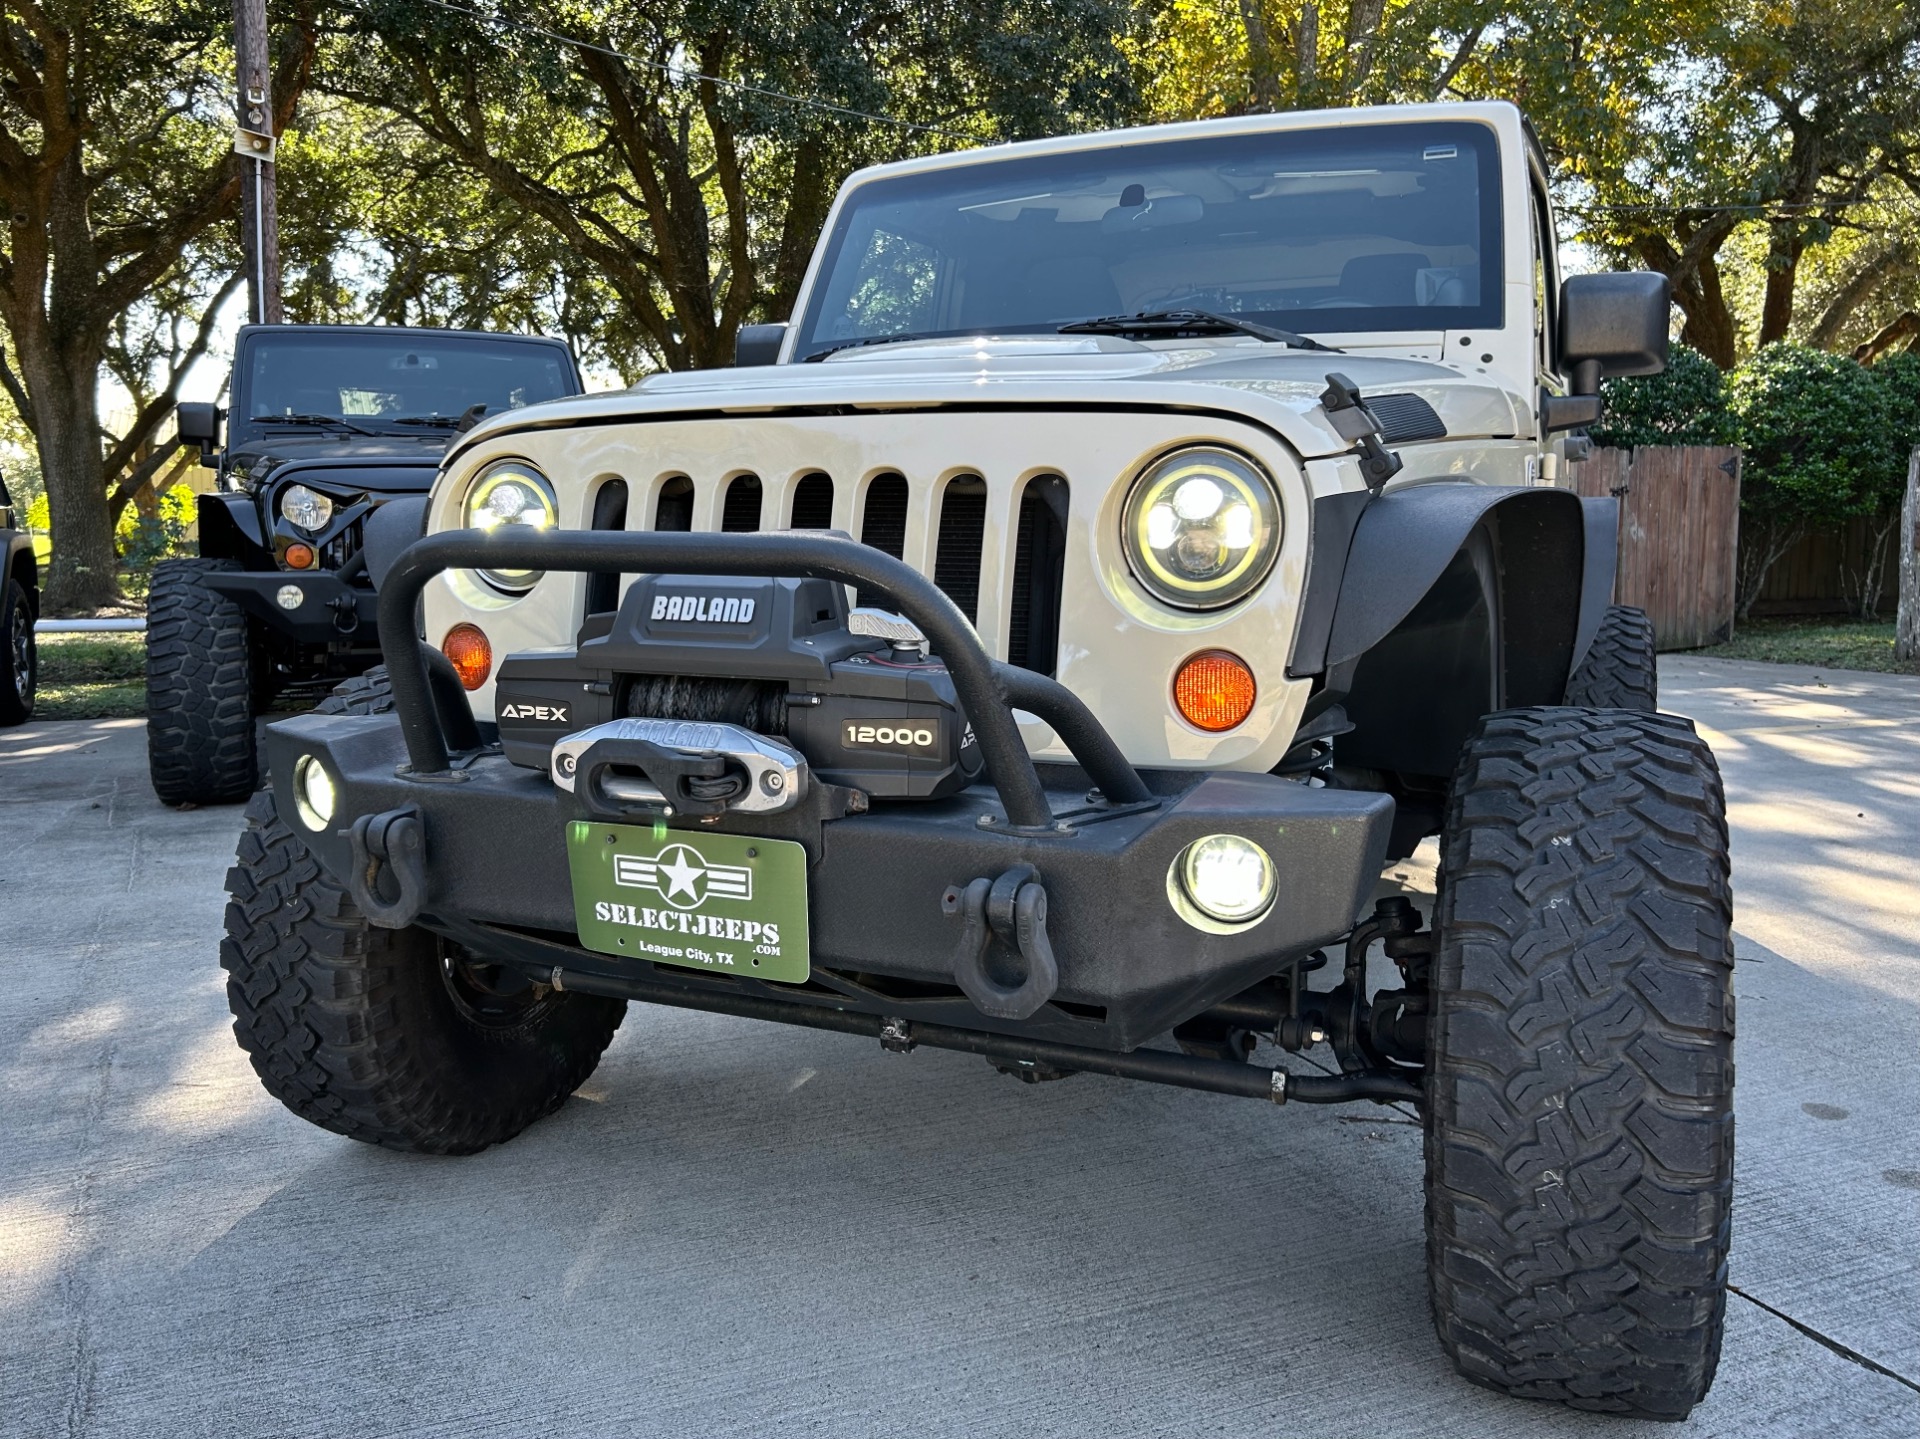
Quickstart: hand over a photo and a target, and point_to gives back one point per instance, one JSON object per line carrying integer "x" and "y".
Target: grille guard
{"x": 986, "y": 689}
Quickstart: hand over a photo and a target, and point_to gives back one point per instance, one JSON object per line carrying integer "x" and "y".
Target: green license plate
{"x": 723, "y": 902}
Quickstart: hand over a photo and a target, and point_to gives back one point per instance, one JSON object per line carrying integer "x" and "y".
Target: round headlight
{"x": 306, "y": 508}
{"x": 1228, "y": 879}
{"x": 313, "y": 793}
{"x": 1201, "y": 528}
{"x": 509, "y": 495}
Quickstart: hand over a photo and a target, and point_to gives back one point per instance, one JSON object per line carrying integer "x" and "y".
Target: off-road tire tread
{"x": 201, "y": 746}
{"x": 15, "y": 708}
{"x": 1620, "y": 671}
{"x": 349, "y": 1025}
{"x": 1580, "y": 1072}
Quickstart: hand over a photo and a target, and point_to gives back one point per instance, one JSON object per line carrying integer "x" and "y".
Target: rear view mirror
{"x": 1613, "y": 325}
{"x": 758, "y": 344}
{"x": 199, "y": 424}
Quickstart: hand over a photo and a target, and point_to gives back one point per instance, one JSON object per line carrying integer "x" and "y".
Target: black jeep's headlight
{"x": 1202, "y": 527}
{"x": 510, "y": 493}
{"x": 309, "y": 509}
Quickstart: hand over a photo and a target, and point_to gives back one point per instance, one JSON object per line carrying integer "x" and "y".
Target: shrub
{"x": 1686, "y": 404}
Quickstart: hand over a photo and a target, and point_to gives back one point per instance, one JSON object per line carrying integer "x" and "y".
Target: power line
{"x": 679, "y": 72}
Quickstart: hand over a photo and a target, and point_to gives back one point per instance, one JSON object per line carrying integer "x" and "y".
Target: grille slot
{"x": 956, "y": 555}
{"x": 341, "y": 548}
{"x": 813, "y": 503}
{"x": 609, "y": 513}
{"x": 741, "y": 513}
{"x": 883, "y": 523}
{"x": 674, "y": 509}
{"x": 1039, "y": 571}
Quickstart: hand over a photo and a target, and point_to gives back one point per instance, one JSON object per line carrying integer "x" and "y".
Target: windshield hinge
{"x": 1354, "y": 421}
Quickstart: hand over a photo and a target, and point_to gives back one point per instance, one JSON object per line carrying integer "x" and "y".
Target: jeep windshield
{"x": 1370, "y": 227}
{"x": 398, "y": 382}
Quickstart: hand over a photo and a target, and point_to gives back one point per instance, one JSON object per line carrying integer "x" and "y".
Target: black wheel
{"x": 1580, "y": 1062}
{"x": 19, "y": 660}
{"x": 392, "y": 1037}
{"x": 200, "y": 739}
{"x": 1619, "y": 671}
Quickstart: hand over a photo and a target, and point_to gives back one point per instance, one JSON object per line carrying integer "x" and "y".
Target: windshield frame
{"x": 912, "y": 184}
{"x": 241, "y": 422}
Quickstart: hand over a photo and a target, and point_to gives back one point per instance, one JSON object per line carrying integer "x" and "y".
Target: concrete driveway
{"x": 743, "y": 1229}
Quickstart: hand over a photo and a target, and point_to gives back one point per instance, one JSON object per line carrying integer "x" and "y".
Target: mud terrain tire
{"x": 200, "y": 737}
{"x": 1580, "y": 1071}
{"x": 1619, "y": 671}
{"x": 384, "y": 1035}
{"x": 19, "y": 659}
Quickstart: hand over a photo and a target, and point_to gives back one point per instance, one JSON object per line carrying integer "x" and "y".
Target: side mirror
{"x": 1613, "y": 325}
{"x": 758, "y": 344}
{"x": 199, "y": 424}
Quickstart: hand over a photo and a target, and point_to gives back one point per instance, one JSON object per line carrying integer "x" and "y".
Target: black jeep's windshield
{"x": 1372, "y": 227}
{"x": 398, "y": 382}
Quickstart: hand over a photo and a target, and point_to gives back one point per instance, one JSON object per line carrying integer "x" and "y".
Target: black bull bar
{"x": 439, "y": 737}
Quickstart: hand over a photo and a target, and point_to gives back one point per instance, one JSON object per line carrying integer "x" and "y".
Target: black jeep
{"x": 19, "y": 606}
{"x": 328, "y": 422}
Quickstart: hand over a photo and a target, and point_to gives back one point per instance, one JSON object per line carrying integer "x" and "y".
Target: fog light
{"x": 1214, "y": 691}
{"x": 1226, "y": 878}
{"x": 471, "y": 652}
{"x": 314, "y": 797}
{"x": 291, "y": 597}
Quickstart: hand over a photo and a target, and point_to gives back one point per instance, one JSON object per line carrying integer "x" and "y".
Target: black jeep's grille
{"x": 341, "y": 548}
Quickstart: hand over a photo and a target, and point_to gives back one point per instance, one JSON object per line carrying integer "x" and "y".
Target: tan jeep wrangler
{"x": 1037, "y": 648}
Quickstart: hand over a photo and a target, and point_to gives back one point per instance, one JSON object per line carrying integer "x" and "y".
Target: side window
{"x": 6, "y": 500}
{"x": 1545, "y": 299}
{"x": 896, "y": 291}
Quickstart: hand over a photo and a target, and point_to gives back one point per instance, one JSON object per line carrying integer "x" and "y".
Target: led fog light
{"x": 1221, "y": 882}
{"x": 313, "y": 793}
{"x": 290, "y": 597}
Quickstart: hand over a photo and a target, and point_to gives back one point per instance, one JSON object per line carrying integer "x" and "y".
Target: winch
{"x": 705, "y": 693}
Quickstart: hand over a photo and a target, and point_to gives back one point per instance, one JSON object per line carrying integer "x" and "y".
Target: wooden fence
{"x": 1679, "y": 535}
{"x": 1809, "y": 578}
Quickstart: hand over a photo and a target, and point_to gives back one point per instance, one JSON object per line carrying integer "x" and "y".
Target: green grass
{"x": 92, "y": 677}
{"x": 1821, "y": 641}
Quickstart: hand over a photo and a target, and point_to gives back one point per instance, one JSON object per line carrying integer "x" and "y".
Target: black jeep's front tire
{"x": 1580, "y": 1072}
{"x": 19, "y": 659}
{"x": 200, "y": 736}
{"x": 392, "y": 1037}
{"x": 1621, "y": 669}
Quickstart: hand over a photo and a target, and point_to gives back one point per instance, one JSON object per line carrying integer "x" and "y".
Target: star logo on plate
{"x": 682, "y": 876}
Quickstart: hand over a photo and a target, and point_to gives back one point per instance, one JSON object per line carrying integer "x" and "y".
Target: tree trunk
{"x": 1906, "y": 642}
{"x": 1761, "y": 546}
{"x": 1783, "y": 270}
{"x": 66, "y": 404}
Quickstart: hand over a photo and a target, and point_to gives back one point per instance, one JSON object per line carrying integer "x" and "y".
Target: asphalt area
{"x": 748, "y": 1229}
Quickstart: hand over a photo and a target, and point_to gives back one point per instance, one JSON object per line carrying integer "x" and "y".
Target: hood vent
{"x": 1406, "y": 417}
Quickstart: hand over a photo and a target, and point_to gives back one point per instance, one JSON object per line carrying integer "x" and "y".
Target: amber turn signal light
{"x": 1214, "y": 691}
{"x": 471, "y": 652}
{"x": 300, "y": 557}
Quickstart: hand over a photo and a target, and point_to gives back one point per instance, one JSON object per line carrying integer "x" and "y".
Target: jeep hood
{"x": 1277, "y": 387}
{"x": 390, "y": 459}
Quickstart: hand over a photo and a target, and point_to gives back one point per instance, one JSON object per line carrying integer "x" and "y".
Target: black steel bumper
{"x": 490, "y": 866}
{"x": 1130, "y": 968}
{"x": 331, "y": 611}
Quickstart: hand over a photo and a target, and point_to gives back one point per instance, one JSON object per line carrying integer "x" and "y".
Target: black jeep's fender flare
{"x": 1544, "y": 560}
{"x": 17, "y": 562}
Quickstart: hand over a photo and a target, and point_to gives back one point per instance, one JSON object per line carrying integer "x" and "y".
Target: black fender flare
{"x": 390, "y": 529}
{"x": 19, "y": 563}
{"x": 1371, "y": 561}
{"x": 230, "y": 529}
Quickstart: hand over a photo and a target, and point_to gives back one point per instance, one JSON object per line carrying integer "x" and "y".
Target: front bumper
{"x": 496, "y": 879}
{"x": 330, "y": 612}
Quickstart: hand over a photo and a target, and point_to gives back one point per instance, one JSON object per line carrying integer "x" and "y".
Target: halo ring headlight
{"x": 510, "y": 493}
{"x": 1201, "y": 527}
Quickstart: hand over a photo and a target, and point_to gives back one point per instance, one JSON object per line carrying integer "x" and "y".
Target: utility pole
{"x": 254, "y": 142}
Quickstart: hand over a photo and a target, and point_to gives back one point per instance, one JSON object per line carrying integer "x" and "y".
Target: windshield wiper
{"x": 331, "y": 422}
{"x": 818, "y": 355}
{"x": 432, "y": 422}
{"x": 1170, "y": 324}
